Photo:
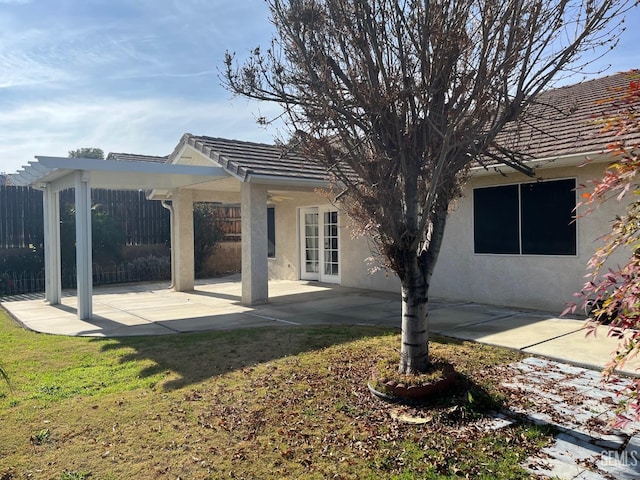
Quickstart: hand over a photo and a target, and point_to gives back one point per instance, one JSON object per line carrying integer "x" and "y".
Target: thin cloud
{"x": 134, "y": 76}
{"x": 143, "y": 74}
{"x": 147, "y": 126}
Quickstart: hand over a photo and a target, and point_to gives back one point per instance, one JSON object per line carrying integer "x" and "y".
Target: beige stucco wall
{"x": 353, "y": 251}
{"x": 535, "y": 281}
{"x": 357, "y": 269}
{"x": 287, "y": 202}
{"x": 285, "y": 265}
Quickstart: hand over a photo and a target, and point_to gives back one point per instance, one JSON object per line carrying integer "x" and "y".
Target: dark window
{"x": 271, "y": 232}
{"x": 547, "y": 209}
{"x": 496, "y": 220}
{"x": 530, "y": 218}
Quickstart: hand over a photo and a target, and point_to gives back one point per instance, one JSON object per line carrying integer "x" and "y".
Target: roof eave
{"x": 557, "y": 161}
{"x": 287, "y": 181}
{"x": 58, "y": 171}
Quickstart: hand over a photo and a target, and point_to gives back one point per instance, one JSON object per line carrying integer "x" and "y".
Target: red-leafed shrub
{"x": 612, "y": 295}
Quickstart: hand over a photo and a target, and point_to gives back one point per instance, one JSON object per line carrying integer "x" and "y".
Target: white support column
{"x": 255, "y": 266}
{"x": 172, "y": 240}
{"x": 52, "y": 270}
{"x": 182, "y": 241}
{"x": 84, "y": 258}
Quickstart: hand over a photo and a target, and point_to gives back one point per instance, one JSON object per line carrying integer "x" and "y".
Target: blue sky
{"x": 134, "y": 75}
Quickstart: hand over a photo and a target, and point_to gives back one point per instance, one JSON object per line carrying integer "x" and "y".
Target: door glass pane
{"x": 271, "y": 232}
{"x": 311, "y": 243}
{"x": 330, "y": 264}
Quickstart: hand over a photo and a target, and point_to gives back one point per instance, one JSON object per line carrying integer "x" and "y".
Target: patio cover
{"x": 53, "y": 174}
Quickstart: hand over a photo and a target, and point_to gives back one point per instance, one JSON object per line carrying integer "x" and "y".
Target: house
{"x": 510, "y": 239}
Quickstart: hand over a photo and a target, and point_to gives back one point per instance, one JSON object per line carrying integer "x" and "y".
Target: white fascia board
{"x": 93, "y": 164}
{"x": 544, "y": 163}
{"x": 287, "y": 181}
{"x": 116, "y": 174}
{"x": 147, "y": 181}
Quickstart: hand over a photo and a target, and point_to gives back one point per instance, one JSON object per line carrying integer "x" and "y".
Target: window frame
{"x": 521, "y": 229}
{"x": 271, "y": 232}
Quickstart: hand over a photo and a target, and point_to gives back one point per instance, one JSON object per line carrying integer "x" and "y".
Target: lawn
{"x": 266, "y": 403}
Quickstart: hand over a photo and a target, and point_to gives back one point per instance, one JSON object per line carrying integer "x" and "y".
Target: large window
{"x": 271, "y": 232}
{"x": 529, "y": 218}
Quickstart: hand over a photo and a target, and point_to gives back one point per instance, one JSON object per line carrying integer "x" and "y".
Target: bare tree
{"x": 397, "y": 98}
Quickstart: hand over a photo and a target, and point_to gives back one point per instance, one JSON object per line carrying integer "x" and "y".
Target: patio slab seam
{"x": 481, "y": 322}
{"x": 448, "y": 305}
{"x": 265, "y": 317}
{"x": 551, "y": 339}
{"x": 123, "y": 310}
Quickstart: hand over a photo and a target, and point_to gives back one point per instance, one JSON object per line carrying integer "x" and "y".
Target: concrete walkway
{"x": 153, "y": 309}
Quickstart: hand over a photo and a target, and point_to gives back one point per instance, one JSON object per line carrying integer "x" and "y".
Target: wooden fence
{"x": 230, "y": 221}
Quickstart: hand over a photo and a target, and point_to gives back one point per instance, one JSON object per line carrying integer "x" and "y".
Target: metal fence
{"x": 145, "y": 222}
{"x": 145, "y": 269}
{"x": 21, "y": 222}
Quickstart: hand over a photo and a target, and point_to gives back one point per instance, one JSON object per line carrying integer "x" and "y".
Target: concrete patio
{"x": 153, "y": 309}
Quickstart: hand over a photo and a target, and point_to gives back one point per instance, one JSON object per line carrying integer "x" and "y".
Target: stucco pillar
{"x": 52, "y": 269}
{"x": 255, "y": 267}
{"x": 84, "y": 258}
{"x": 182, "y": 241}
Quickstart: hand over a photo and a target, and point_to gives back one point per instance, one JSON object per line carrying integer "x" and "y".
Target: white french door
{"x": 320, "y": 244}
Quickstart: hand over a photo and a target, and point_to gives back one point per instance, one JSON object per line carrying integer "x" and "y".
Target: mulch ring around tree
{"x": 389, "y": 385}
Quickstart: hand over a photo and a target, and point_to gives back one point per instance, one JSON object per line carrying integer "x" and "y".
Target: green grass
{"x": 264, "y": 403}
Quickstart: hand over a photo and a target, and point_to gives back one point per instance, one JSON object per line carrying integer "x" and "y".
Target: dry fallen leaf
{"x": 410, "y": 419}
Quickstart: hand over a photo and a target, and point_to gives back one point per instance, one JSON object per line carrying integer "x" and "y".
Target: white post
{"x": 52, "y": 269}
{"x": 182, "y": 241}
{"x": 172, "y": 240}
{"x": 255, "y": 266}
{"x": 84, "y": 259}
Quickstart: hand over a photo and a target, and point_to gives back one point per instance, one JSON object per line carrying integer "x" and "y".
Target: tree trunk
{"x": 415, "y": 281}
{"x": 414, "y": 351}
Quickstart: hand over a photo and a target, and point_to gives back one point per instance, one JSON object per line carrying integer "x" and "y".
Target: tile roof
{"x": 563, "y": 121}
{"x": 133, "y": 157}
{"x": 245, "y": 159}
